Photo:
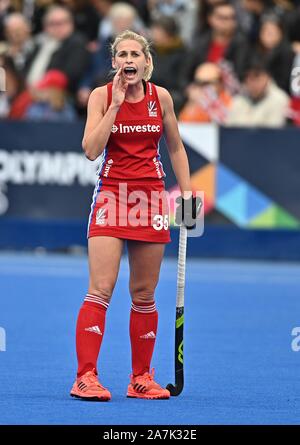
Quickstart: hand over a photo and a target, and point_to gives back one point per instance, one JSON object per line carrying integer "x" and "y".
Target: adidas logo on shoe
{"x": 149, "y": 335}
{"x": 94, "y": 329}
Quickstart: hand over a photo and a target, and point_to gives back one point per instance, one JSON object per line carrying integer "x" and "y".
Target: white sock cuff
{"x": 98, "y": 300}
{"x": 144, "y": 309}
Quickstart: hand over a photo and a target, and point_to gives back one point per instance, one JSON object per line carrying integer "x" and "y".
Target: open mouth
{"x": 130, "y": 71}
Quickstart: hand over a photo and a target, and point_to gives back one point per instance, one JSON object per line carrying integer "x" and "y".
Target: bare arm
{"x": 99, "y": 120}
{"x": 176, "y": 148}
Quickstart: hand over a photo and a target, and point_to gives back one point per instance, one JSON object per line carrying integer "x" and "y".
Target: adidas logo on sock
{"x": 94, "y": 329}
{"x": 149, "y": 335}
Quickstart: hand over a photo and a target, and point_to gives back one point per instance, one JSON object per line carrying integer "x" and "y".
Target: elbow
{"x": 89, "y": 154}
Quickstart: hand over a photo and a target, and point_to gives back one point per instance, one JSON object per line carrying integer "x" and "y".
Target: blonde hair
{"x": 131, "y": 35}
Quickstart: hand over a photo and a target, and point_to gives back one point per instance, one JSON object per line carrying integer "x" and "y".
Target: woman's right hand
{"x": 119, "y": 88}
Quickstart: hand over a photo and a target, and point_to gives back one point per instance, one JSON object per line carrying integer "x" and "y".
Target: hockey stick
{"x": 176, "y": 389}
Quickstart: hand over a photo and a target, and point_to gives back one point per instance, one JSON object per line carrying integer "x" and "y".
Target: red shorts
{"x": 132, "y": 209}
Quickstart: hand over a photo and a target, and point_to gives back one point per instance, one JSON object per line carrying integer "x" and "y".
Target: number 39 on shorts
{"x": 160, "y": 222}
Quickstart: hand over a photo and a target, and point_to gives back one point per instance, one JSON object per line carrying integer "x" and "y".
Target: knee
{"x": 102, "y": 289}
{"x": 142, "y": 294}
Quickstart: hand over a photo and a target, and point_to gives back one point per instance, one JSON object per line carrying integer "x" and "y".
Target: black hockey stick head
{"x": 175, "y": 390}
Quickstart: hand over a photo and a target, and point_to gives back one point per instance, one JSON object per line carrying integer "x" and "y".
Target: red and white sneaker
{"x": 144, "y": 387}
{"x": 88, "y": 387}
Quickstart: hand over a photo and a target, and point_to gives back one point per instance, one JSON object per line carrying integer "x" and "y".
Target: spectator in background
{"x": 294, "y": 31}
{"x": 49, "y": 99}
{"x": 243, "y": 17}
{"x": 18, "y": 43}
{"x": 6, "y": 8}
{"x": 169, "y": 52}
{"x": 285, "y": 9}
{"x": 58, "y": 47}
{"x": 34, "y": 11}
{"x": 184, "y": 11}
{"x": 294, "y": 34}
{"x": 102, "y": 8}
{"x": 294, "y": 111}
{"x": 276, "y": 50}
{"x": 207, "y": 99}
{"x": 203, "y": 15}
{"x": 142, "y": 8}
{"x": 263, "y": 103}
{"x": 223, "y": 41}
{"x": 255, "y": 10}
{"x": 86, "y": 18}
{"x": 121, "y": 16}
{"x": 15, "y": 99}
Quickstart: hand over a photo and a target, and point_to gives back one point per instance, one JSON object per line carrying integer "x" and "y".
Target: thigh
{"x": 144, "y": 261}
{"x": 104, "y": 261}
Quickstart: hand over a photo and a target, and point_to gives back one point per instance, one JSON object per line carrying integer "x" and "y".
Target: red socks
{"x": 89, "y": 332}
{"x": 143, "y": 328}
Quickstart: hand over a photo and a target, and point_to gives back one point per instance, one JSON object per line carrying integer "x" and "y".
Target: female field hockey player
{"x": 125, "y": 121}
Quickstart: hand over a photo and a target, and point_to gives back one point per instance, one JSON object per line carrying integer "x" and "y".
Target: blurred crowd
{"x": 234, "y": 63}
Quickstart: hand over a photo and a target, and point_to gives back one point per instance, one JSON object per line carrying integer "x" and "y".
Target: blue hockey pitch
{"x": 240, "y": 367}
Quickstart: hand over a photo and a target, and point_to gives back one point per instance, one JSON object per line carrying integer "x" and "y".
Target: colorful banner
{"x": 250, "y": 177}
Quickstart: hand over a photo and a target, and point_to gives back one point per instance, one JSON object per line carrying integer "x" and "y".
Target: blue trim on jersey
{"x": 97, "y": 187}
{"x": 159, "y": 160}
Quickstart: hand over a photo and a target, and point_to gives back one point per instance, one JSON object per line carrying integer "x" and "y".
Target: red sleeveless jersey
{"x": 132, "y": 150}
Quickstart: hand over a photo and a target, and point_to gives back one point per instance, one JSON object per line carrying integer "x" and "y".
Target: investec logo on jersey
{"x": 148, "y": 128}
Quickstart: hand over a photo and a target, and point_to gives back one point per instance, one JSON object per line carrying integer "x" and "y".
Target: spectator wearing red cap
{"x": 50, "y": 101}
{"x": 53, "y": 78}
